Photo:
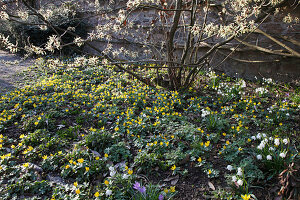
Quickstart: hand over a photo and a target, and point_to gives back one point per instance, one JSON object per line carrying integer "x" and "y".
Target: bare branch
{"x": 266, "y": 50}
{"x": 293, "y": 52}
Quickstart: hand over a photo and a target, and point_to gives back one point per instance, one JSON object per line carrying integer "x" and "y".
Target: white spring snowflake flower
{"x": 242, "y": 83}
{"x": 108, "y": 192}
{"x": 277, "y": 142}
{"x": 229, "y": 167}
{"x": 233, "y": 178}
{"x": 240, "y": 172}
{"x": 261, "y": 90}
{"x": 258, "y": 136}
{"x": 125, "y": 176}
{"x": 269, "y": 157}
{"x": 259, "y": 157}
{"x": 282, "y": 154}
{"x": 261, "y": 145}
{"x": 205, "y": 112}
{"x": 285, "y": 141}
{"x": 240, "y": 182}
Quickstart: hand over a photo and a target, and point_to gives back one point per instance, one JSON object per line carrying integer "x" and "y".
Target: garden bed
{"x": 91, "y": 132}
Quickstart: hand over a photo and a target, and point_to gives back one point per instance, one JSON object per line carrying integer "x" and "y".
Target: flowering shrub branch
{"x": 182, "y": 26}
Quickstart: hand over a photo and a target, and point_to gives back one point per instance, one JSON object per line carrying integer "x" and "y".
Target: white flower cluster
{"x": 4, "y": 15}
{"x": 261, "y": 91}
{"x": 6, "y": 43}
{"x": 238, "y": 178}
{"x": 53, "y": 43}
{"x": 78, "y": 41}
{"x": 205, "y": 112}
{"x": 225, "y": 89}
{"x": 35, "y": 49}
{"x": 270, "y": 145}
{"x": 134, "y": 3}
{"x": 267, "y": 80}
{"x": 23, "y": 15}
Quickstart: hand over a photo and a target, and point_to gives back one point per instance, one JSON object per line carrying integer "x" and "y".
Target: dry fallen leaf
{"x": 211, "y": 186}
{"x": 174, "y": 181}
{"x": 171, "y": 178}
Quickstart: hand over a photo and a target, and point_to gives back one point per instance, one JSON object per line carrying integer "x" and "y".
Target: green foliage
{"x": 100, "y": 140}
{"x": 118, "y": 152}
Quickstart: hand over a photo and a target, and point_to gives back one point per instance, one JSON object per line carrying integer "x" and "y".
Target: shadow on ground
{"x": 10, "y": 66}
{"x": 5, "y": 86}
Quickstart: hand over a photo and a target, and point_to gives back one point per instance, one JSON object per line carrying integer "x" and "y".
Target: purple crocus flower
{"x": 160, "y": 197}
{"x": 142, "y": 190}
{"x": 137, "y": 186}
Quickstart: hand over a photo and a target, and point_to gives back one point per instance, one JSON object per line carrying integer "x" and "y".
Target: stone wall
{"x": 244, "y": 62}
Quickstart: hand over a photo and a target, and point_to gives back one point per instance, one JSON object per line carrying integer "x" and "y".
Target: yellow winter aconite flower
{"x": 80, "y": 160}
{"x": 87, "y": 169}
{"x": 246, "y": 196}
{"x": 97, "y": 194}
{"x": 22, "y": 136}
{"x": 130, "y": 172}
{"x": 207, "y": 143}
{"x": 67, "y": 166}
{"x": 75, "y": 184}
{"x": 106, "y": 182}
{"x": 199, "y": 159}
{"x": 25, "y": 164}
{"x": 45, "y": 157}
{"x": 106, "y": 155}
{"x": 166, "y": 190}
{"x": 172, "y": 189}
{"x": 173, "y": 167}
{"x": 209, "y": 171}
{"x": 77, "y": 191}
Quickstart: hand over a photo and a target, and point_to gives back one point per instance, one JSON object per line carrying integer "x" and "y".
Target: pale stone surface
{"x": 10, "y": 66}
